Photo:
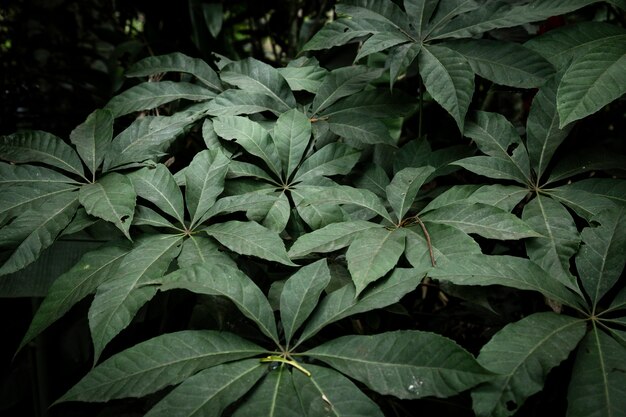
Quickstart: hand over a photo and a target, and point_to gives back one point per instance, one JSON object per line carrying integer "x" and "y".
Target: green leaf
{"x": 235, "y": 102}
{"x": 510, "y": 271}
{"x": 37, "y": 229}
{"x": 388, "y": 363}
{"x": 93, "y": 137}
{"x": 600, "y": 261}
{"x": 145, "y": 216}
{"x": 612, "y": 188}
{"x": 374, "y": 253}
{"x": 227, "y": 281}
{"x": 523, "y": 353}
{"x": 400, "y": 58}
{"x": 291, "y": 134}
{"x": 449, "y": 79}
{"x": 347, "y": 195}
{"x": 252, "y": 137}
{"x": 329, "y": 238}
{"x": 30, "y": 175}
{"x": 402, "y": 190}
{"x": 344, "y": 302}
{"x": 373, "y": 103}
{"x": 242, "y": 202}
{"x": 583, "y": 203}
{"x": 204, "y": 182}
{"x": 156, "y": 363}
{"x": 482, "y": 219}
{"x": 503, "y": 62}
{"x": 304, "y": 78}
{"x": 561, "y": 44}
{"x": 560, "y": 240}
{"x": 361, "y": 128}
{"x": 446, "y": 11}
{"x": 278, "y": 214}
{"x": 176, "y": 62}
{"x": 238, "y": 169}
{"x": 328, "y": 393}
{"x": 383, "y": 11}
{"x": 250, "y": 238}
{"x": 373, "y": 179}
{"x": 497, "y": 137}
{"x": 419, "y": 13}
{"x": 38, "y": 146}
{"x": 112, "y": 198}
{"x": 381, "y": 41}
{"x": 586, "y": 159}
{"x": 316, "y": 215}
{"x": 593, "y": 80}
{"x": 596, "y": 388}
{"x": 158, "y": 186}
{"x": 210, "y": 391}
{"x": 213, "y": 17}
{"x": 16, "y": 200}
{"x": 118, "y": 300}
{"x": 342, "y": 82}
{"x": 300, "y": 295}
{"x": 202, "y": 250}
{"x": 257, "y": 77}
{"x": 150, "y": 95}
{"x": 492, "y": 167}
{"x": 274, "y": 396}
{"x": 506, "y": 197}
{"x": 543, "y": 135}
{"x": 335, "y": 158}
{"x": 342, "y": 31}
{"x": 82, "y": 279}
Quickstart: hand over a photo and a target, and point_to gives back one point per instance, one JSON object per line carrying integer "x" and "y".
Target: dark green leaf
{"x": 274, "y": 396}
{"x": 93, "y": 137}
{"x": 333, "y": 159}
{"x": 204, "y": 182}
{"x": 158, "y": 186}
{"x": 342, "y": 82}
{"x": 235, "y": 102}
{"x": 361, "y": 128}
{"x": 291, "y": 135}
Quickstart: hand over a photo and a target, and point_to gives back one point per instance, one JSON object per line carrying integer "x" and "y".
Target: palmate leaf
{"x": 383, "y": 11}
{"x": 176, "y": 62}
{"x": 348, "y": 195}
{"x": 82, "y": 279}
{"x": 593, "y": 80}
{"x": 37, "y": 229}
{"x": 234, "y": 102}
{"x": 361, "y": 128}
{"x": 402, "y": 190}
{"x": 204, "y": 182}
{"x": 93, "y": 137}
{"x": 373, "y": 179}
{"x": 252, "y": 137}
{"x": 257, "y": 77}
{"x": 583, "y": 203}
{"x": 156, "y": 363}
{"x": 145, "y": 216}
{"x": 250, "y": 238}
{"x": 16, "y": 200}
{"x": 329, "y": 238}
{"x": 405, "y": 364}
{"x": 38, "y": 146}
{"x": 446, "y": 11}
{"x": 343, "y": 302}
{"x": 30, "y": 175}
{"x": 596, "y": 388}
{"x": 303, "y": 77}
{"x": 300, "y": 295}
{"x": 381, "y": 41}
{"x": 504, "y": 63}
{"x": 118, "y": 300}
{"x": 210, "y": 391}
{"x": 613, "y": 189}
{"x": 523, "y": 353}
{"x": 316, "y": 215}
{"x": 560, "y": 238}
{"x": 449, "y": 79}
{"x": 202, "y": 250}
{"x": 400, "y": 58}
{"x": 586, "y": 159}
{"x": 342, "y": 31}
{"x": 111, "y": 198}
{"x": 227, "y": 281}
{"x": 373, "y": 103}
{"x": 373, "y": 253}
{"x": 600, "y": 261}
{"x": 328, "y": 393}
{"x": 419, "y": 13}
{"x": 291, "y": 135}
{"x": 510, "y": 271}
{"x": 492, "y": 167}
{"x": 342, "y": 82}
{"x": 158, "y": 186}
{"x": 278, "y": 214}
{"x": 335, "y": 158}
{"x": 274, "y": 396}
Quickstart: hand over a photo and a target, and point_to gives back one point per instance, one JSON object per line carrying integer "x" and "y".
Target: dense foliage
{"x": 322, "y": 247}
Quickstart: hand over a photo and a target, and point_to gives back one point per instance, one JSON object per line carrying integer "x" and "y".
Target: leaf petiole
{"x": 273, "y": 358}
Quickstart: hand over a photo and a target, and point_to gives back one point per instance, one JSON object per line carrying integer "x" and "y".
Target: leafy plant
{"x": 310, "y": 213}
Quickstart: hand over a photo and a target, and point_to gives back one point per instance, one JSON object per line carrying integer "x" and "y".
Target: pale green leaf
{"x": 30, "y": 175}
{"x": 329, "y": 238}
{"x": 559, "y": 241}
{"x": 250, "y": 238}
{"x": 176, "y": 62}
{"x": 597, "y": 386}
{"x": 504, "y": 63}
{"x": 291, "y": 134}
{"x": 600, "y": 261}
{"x": 111, "y": 198}
{"x": 506, "y": 197}
{"x": 158, "y": 186}
{"x": 342, "y": 82}
{"x": 492, "y": 167}
{"x": 510, "y": 271}
{"x": 405, "y": 364}
{"x": 227, "y": 281}
{"x": 278, "y": 214}
{"x": 335, "y": 158}
{"x": 317, "y": 215}
{"x": 210, "y": 391}
{"x": 202, "y": 250}
{"x": 300, "y": 295}
{"x": 156, "y": 363}
{"x": 347, "y": 195}
{"x": 304, "y": 78}
{"x": 145, "y": 216}
{"x": 234, "y": 102}
{"x": 242, "y": 202}
{"x": 16, "y": 200}
{"x": 118, "y": 300}
{"x": 583, "y": 203}
{"x": 213, "y": 17}
{"x": 402, "y": 190}
{"x": 93, "y": 137}
{"x": 523, "y": 353}
{"x": 360, "y": 128}
{"x": 204, "y": 182}
{"x": 453, "y": 195}
{"x": 238, "y": 169}
{"x": 257, "y": 77}
{"x": 449, "y": 79}
{"x": 593, "y": 80}
{"x": 328, "y": 393}
{"x": 38, "y": 146}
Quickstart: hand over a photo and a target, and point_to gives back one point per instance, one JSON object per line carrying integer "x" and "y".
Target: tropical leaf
{"x": 333, "y": 159}
{"x": 342, "y": 82}
{"x": 360, "y": 128}
{"x": 234, "y": 102}
{"x": 342, "y": 31}
{"x": 93, "y": 137}
{"x": 202, "y": 250}
{"x": 38, "y": 146}
{"x": 317, "y": 215}
{"x": 250, "y": 238}
{"x": 112, "y": 198}
{"x": 612, "y": 188}
{"x": 583, "y": 203}
{"x": 30, "y": 175}
{"x": 523, "y": 353}
{"x": 303, "y": 78}
{"x": 449, "y": 79}
{"x": 348, "y": 195}
{"x": 145, "y": 216}
{"x": 291, "y": 135}
{"x": 373, "y": 103}
{"x": 419, "y": 13}
{"x": 15, "y": 201}
{"x": 329, "y": 238}
{"x": 156, "y": 363}
{"x": 492, "y": 167}
{"x": 383, "y": 11}
{"x": 388, "y": 363}
{"x": 242, "y": 202}
{"x": 300, "y": 295}
{"x": 381, "y": 41}
{"x": 402, "y": 190}
{"x": 278, "y": 214}
{"x": 210, "y": 391}
{"x": 204, "y": 182}
{"x": 446, "y": 11}
{"x": 400, "y": 58}
{"x": 158, "y": 186}
{"x": 586, "y": 159}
